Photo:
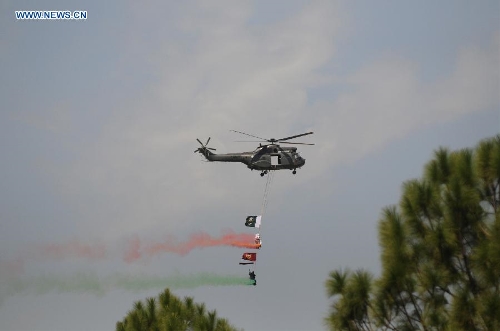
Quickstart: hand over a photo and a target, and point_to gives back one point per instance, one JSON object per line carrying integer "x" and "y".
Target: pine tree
{"x": 440, "y": 252}
{"x": 170, "y": 313}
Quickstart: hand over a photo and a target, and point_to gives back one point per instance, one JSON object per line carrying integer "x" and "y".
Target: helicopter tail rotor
{"x": 204, "y": 149}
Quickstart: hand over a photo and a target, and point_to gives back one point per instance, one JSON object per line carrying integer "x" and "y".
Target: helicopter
{"x": 270, "y": 156}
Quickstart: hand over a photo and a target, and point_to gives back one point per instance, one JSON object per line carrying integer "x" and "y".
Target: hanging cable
{"x": 265, "y": 199}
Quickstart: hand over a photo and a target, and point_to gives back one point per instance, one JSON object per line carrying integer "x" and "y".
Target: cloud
{"x": 386, "y": 100}
{"x": 229, "y": 74}
{"x": 56, "y": 120}
{"x": 216, "y": 71}
{"x": 473, "y": 86}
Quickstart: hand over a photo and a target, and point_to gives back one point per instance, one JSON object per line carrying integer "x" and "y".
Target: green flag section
{"x": 253, "y": 221}
{"x": 93, "y": 284}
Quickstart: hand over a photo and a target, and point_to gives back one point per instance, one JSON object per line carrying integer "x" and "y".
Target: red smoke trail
{"x": 59, "y": 251}
{"x": 198, "y": 240}
{"x": 247, "y": 245}
{"x": 11, "y": 268}
{"x": 72, "y": 249}
{"x": 133, "y": 253}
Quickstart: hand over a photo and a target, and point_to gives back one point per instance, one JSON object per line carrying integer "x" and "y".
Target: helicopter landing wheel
{"x": 262, "y": 174}
{"x": 294, "y": 172}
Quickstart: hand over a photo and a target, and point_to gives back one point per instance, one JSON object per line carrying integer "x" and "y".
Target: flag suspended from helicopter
{"x": 253, "y": 221}
{"x": 251, "y": 257}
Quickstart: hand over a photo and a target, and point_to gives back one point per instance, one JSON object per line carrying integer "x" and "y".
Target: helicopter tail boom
{"x": 230, "y": 157}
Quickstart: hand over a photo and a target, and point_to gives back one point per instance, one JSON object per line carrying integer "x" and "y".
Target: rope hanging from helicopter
{"x": 265, "y": 200}
{"x": 267, "y": 189}
{"x": 287, "y": 157}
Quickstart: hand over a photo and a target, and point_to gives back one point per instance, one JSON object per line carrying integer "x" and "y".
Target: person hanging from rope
{"x": 258, "y": 241}
{"x": 252, "y": 275}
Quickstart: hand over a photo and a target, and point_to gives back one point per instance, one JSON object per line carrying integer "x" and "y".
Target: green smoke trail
{"x": 80, "y": 282}
{"x": 91, "y": 283}
{"x": 179, "y": 281}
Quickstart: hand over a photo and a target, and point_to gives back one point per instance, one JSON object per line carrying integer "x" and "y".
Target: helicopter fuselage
{"x": 266, "y": 157}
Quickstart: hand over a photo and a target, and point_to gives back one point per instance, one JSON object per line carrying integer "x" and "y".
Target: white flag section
{"x": 257, "y": 222}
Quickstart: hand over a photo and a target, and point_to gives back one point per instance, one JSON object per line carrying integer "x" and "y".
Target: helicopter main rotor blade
{"x": 249, "y": 135}
{"x": 299, "y": 135}
{"x": 213, "y": 149}
{"x": 284, "y": 142}
{"x": 200, "y": 142}
{"x": 207, "y": 141}
{"x": 251, "y": 141}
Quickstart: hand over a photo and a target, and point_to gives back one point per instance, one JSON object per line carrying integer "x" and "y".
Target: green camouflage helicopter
{"x": 270, "y": 156}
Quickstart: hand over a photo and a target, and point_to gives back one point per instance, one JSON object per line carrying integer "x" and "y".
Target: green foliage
{"x": 169, "y": 313}
{"x": 440, "y": 252}
{"x": 354, "y": 289}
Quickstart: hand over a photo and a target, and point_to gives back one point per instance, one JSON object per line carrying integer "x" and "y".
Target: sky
{"x": 99, "y": 120}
